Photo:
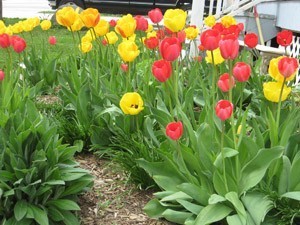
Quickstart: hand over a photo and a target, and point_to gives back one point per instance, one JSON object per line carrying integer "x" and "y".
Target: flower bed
{"x": 218, "y": 139}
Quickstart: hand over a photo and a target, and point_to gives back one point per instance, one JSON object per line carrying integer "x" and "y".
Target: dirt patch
{"x": 112, "y": 201}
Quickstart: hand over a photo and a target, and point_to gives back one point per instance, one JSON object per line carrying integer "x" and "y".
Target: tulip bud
{"x": 241, "y": 71}
{"x": 284, "y": 38}
{"x": 229, "y": 47}
{"x": 224, "y": 109}
{"x": 52, "y": 40}
{"x": 251, "y": 40}
{"x": 124, "y": 67}
{"x": 170, "y": 48}
{"x": 162, "y": 70}
{"x": 2, "y": 75}
{"x": 155, "y": 15}
{"x": 287, "y": 66}
{"x": 174, "y": 130}
{"x": 225, "y": 82}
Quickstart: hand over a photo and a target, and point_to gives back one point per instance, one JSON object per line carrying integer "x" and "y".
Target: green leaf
{"x": 77, "y": 187}
{"x": 176, "y": 216}
{"x": 176, "y": 196}
{"x": 39, "y": 215}
{"x": 64, "y": 204}
{"x": 212, "y": 213}
{"x": 292, "y": 195}
{"x": 154, "y": 209}
{"x": 257, "y": 205}
{"x": 234, "y": 220}
{"x": 284, "y": 176}
{"x": 294, "y": 177}
{"x": 20, "y": 210}
{"x": 55, "y": 214}
{"x": 228, "y": 153}
{"x": 233, "y": 198}
{"x": 254, "y": 170}
{"x": 214, "y": 198}
{"x": 193, "y": 208}
{"x": 198, "y": 193}
{"x": 70, "y": 218}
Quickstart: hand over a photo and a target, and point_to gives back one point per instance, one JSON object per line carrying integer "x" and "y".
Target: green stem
{"x": 223, "y": 157}
{"x": 213, "y": 85}
{"x": 176, "y": 94}
{"x": 188, "y": 174}
{"x": 241, "y": 100}
{"x": 279, "y": 106}
{"x": 232, "y": 114}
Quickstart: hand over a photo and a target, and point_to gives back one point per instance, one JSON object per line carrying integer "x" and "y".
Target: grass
{"x": 38, "y": 39}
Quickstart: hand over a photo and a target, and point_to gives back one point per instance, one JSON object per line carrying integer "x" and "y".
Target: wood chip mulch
{"x": 112, "y": 201}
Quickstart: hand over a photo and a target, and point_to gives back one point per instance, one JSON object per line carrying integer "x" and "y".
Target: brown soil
{"x": 112, "y": 201}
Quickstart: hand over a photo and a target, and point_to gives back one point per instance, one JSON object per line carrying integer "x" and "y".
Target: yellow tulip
{"x": 2, "y": 27}
{"x": 111, "y": 37}
{"x": 77, "y": 25}
{"x": 66, "y": 16}
{"x": 85, "y": 46}
{"x": 151, "y": 34}
{"x": 227, "y": 21}
{"x": 191, "y": 32}
{"x": 45, "y": 24}
{"x": 88, "y": 37}
{"x": 128, "y": 51}
{"x": 272, "y": 91}
{"x": 175, "y": 19}
{"x": 218, "y": 59}
{"x": 27, "y": 25}
{"x": 210, "y": 21}
{"x": 17, "y": 28}
{"x": 35, "y": 21}
{"x": 102, "y": 28}
{"x": 131, "y": 38}
{"x": 274, "y": 71}
{"x": 126, "y": 26}
{"x": 150, "y": 28}
{"x": 90, "y": 17}
{"x": 131, "y": 103}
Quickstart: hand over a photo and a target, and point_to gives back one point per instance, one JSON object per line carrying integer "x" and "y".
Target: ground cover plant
{"x": 217, "y": 137}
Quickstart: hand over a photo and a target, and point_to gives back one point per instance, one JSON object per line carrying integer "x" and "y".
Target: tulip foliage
{"x": 214, "y": 133}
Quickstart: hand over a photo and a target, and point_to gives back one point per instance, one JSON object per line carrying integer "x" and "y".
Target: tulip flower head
{"x": 124, "y": 67}
{"x": 18, "y": 44}
{"x": 86, "y": 46}
{"x": 155, "y": 15}
{"x": 52, "y": 40}
{"x": 151, "y": 42}
{"x": 218, "y": 59}
{"x": 284, "y": 38}
{"x": 126, "y": 26}
{"x": 227, "y": 21}
{"x": 111, "y": 37}
{"x": 241, "y": 71}
{"x": 2, "y": 75}
{"x": 191, "y": 32}
{"x": 174, "y": 130}
{"x": 170, "y": 48}
{"x": 175, "y": 19}
{"x": 274, "y": 70}
{"x": 162, "y": 70}
{"x": 90, "y": 17}
{"x": 272, "y": 91}
{"x": 210, "y": 21}
{"x": 131, "y": 103}
{"x": 224, "y": 109}
{"x": 251, "y": 40}
{"x": 229, "y": 47}
{"x": 66, "y": 16}
{"x": 4, "y": 40}
{"x": 128, "y": 51}
{"x": 225, "y": 82}
{"x": 141, "y": 23}
{"x": 102, "y": 28}
{"x": 210, "y": 39}
{"x": 112, "y": 23}
{"x": 288, "y": 66}
{"x": 45, "y": 24}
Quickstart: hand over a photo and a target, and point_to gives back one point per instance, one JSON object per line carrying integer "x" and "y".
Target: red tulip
{"x": 170, "y": 48}
{"x": 229, "y": 47}
{"x": 284, "y": 38}
{"x": 225, "y": 82}
{"x": 210, "y": 39}
{"x": 241, "y": 71}
{"x": 155, "y": 15}
{"x": 151, "y": 42}
{"x": 162, "y": 70}
{"x": 287, "y": 66}
{"x": 241, "y": 26}
{"x": 174, "y": 130}
{"x": 2, "y": 75}
{"x": 104, "y": 42}
{"x": 141, "y": 23}
{"x": 232, "y": 30}
{"x": 181, "y": 35}
{"x": 4, "y": 40}
{"x": 124, "y": 67}
{"x": 18, "y": 44}
{"x": 219, "y": 27}
{"x": 52, "y": 40}
{"x": 112, "y": 23}
{"x": 224, "y": 109}
{"x": 251, "y": 40}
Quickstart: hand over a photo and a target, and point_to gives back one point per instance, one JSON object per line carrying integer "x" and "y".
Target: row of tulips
{"x": 220, "y": 150}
